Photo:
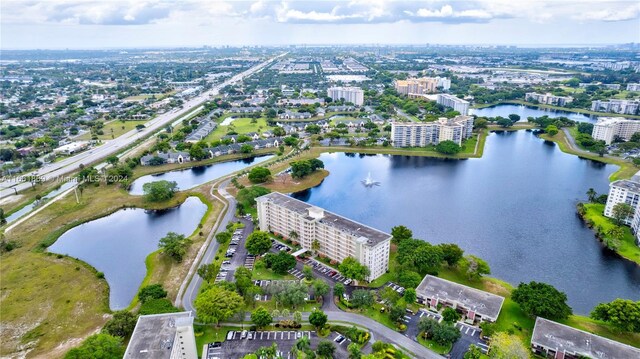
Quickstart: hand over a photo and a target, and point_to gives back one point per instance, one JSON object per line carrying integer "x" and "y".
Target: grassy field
{"x": 440, "y": 349}
{"x": 241, "y": 125}
{"x": 49, "y": 303}
{"x": 628, "y": 248}
{"x": 114, "y": 129}
{"x": 260, "y": 273}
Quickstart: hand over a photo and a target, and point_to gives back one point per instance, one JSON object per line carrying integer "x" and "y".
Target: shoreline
{"x": 556, "y": 108}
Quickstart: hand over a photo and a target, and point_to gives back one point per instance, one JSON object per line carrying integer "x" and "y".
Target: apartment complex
{"x": 337, "y": 236}
{"x": 625, "y": 107}
{"x": 421, "y": 134}
{"x": 454, "y": 102}
{"x": 558, "y": 341}
{"x": 354, "y": 95}
{"x": 422, "y": 85}
{"x": 608, "y": 128}
{"x": 623, "y": 191}
{"x": 548, "y": 99}
{"x": 158, "y": 336}
{"x": 633, "y": 87}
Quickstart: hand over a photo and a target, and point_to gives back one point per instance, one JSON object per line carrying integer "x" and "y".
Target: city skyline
{"x": 80, "y": 24}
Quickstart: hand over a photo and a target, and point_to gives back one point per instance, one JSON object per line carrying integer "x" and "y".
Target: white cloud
{"x": 629, "y": 13}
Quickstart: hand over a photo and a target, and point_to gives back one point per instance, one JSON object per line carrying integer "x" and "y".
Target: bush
{"x": 157, "y": 306}
{"x": 152, "y": 291}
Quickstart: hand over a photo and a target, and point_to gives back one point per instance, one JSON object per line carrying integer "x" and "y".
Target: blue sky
{"x": 78, "y": 24}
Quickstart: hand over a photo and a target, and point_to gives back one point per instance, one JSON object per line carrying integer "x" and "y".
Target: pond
{"x": 514, "y": 207}
{"x": 527, "y": 111}
{"x": 118, "y": 244}
{"x": 33, "y": 205}
{"x": 195, "y": 176}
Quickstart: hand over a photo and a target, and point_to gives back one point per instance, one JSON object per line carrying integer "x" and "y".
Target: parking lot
{"x": 470, "y": 335}
{"x": 327, "y": 272}
{"x": 243, "y": 342}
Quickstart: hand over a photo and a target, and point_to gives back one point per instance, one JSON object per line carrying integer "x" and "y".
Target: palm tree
{"x": 315, "y": 245}
{"x": 303, "y": 343}
{"x": 293, "y": 235}
{"x": 591, "y": 193}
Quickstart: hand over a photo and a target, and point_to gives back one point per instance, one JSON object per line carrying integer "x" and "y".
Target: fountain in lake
{"x": 369, "y": 182}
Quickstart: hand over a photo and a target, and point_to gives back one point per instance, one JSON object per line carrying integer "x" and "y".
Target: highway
{"x": 58, "y": 170}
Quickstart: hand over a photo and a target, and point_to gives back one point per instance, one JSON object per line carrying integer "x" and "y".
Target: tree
{"x": 216, "y": 304}
{"x": 326, "y": 349}
{"x": 451, "y": 253}
{"x": 157, "y": 306}
{"x": 445, "y": 334}
{"x": 338, "y": 290}
{"x": 621, "y": 212}
{"x": 354, "y": 351}
{"x": 474, "y": 352}
{"x": 261, "y": 317}
{"x": 281, "y": 262}
{"x": 317, "y": 318}
{"x": 450, "y": 315}
{"x": 624, "y": 314}
{"x": 552, "y": 130}
{"x": 396, "y": 312}
{"x": 223, "y": 237}
{"x": 297, "y": 316}
{"x": 542, "y": 300}
{"x": 408, "y": 278}
{"x": 351, "y": 268}
{"x": 259, "y": 175}
{"x": 448, "y": 147}
{"x": 475, "y": 267}
{"x": 313, "y": 129}
{"x": 112, "y": 160}
{"x": 258, "y": 243}
{"x": 401, "y": 232}
{"x": 506, "y": 346}
{"x": 389, "y": 295}
{"x": 174, "y": 245}
{"x": 514, "y": 117}
{"x": 159, "y": 191}
{"x": 98, "y": 346}
{"x": 307, "y": 272}
{"x": 361, "y": 298}
{"x": 504, "y": 122}
{"x": 480, "y": 123}
{"x": 303, "y": 344}
{"x": 320, "y": 287}
{"x": 242, "y": 276}
{"x": 197, "y": 152}
{"x": 592, "y": 194}
{"x": 208, "y": 272}
{"x": 121, "y": 325}
{"x": 152, "y": 291}
{"x": 410, "y": 295}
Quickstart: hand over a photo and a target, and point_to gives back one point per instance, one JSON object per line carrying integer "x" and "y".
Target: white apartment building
{"x": 548, "y": 99}
{"x": 422, "y": 85}
{"x": 456, "y": 103}
{"x": 421, "y": 134}
{"x": 607, "y": 128}
{"x": 627, "y": 107}
{"x": 624, "y": 191}
{"x": 633, "y": 87}
{"x": 163, "y": 336}
{"x": 354, "y": 95}
{"x": 337, "y": 236}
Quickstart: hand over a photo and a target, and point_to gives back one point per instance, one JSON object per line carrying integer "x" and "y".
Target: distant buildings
{"x": 454, "y": 102}
{"x": 600, "y": 85}
{"x": 608, "y": 128}
{"x": 421, "y": 134}
{"x": 71, "y": 148}
{"x": 626, "y": 107}
{"x": 337, "y": 237}
{"x": 474, "y": 304}
{"x": 421, "y": 85}
{"x": 163, "y": 336}
{"x": 558, "y": 341}
{"x": 354, "y": 95}
{"x": 203, "y": 130}
{"x": 633, "y": 87}
{"x": 548, "y": 99}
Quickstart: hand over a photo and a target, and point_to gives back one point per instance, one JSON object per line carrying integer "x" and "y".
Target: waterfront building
{"x": 422, "y": 85}
{"x": 474, "y": 304}
{"x": 454, "y": 102}
{"x": 548, "y": 99}
{"x": 163, "y": 336}
{"x": 608, "y": 128}
{"x": 625, "y": 107}
{"x": 624, "y": 191}
{"x": 337, "y": 237}
{"x": 633, "y": 87}
{"x": 421, "y": 134}
{"x": 354, "y": 95}
{"x": 559, "y": 341}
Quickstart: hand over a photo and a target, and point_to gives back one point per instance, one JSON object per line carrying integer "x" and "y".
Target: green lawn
{"x": 206, "y": 334}
{"x": 270, "y": 305}
{"x": 372, "y": 312}
{"x": 261, "y": 273}
{"x": 440, "y": 349}
{"x": 241, "y": 125}
{"x": 628, "y": 248}
{"x": 114, "y": 129}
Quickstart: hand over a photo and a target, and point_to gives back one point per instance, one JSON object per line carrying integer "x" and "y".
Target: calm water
{"x": 195, "y": 176}
{"x": 525, "y": 111}
{"x": 515, "y": 207}
{"x": 31, "y": 206}
{"x": 118, "y": 244}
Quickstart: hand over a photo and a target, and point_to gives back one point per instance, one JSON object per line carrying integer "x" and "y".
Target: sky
{"x": 89, "y": 24}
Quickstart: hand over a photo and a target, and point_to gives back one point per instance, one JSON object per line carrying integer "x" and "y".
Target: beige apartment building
{"x": 421, "y": 134}
{"x": 338, "y": 237}
{"x": 608, "y": 128}
{"x": 422, "y": 85}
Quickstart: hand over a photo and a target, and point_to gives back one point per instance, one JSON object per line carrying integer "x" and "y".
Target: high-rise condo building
{"x": 421, "y": 134}
{"x": 454, "y": 102}
{"x": 354, "y": 95}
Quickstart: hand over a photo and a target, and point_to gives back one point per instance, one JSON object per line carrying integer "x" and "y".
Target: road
{"x": 60, "y": 169}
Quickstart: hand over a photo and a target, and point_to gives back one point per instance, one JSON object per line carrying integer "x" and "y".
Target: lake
{"x": 118, "y": 244}
{"x": 514, "y": 207}
{"x": 527, "y": 111}
{"x": 195, "y": 176}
